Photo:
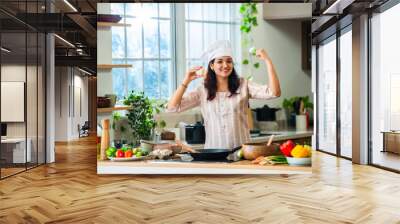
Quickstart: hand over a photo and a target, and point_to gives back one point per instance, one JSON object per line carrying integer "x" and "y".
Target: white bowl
{"x": 299, "y": 161}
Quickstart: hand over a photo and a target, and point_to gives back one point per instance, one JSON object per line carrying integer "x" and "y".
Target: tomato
{"x": 119, "y": 153}
{"x": 128, "y": 153}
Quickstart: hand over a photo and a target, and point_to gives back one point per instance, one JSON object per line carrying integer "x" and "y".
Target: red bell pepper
{"x": 286, "y": 148}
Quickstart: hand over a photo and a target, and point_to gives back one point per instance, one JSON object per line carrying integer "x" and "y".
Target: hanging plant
{"x": 249, "y": 21}
{"x": 249, "y": 16}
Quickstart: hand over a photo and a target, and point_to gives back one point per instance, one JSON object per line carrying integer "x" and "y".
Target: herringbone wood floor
{"x": 70, "y": 191}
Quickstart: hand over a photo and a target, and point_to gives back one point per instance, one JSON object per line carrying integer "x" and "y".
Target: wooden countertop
{"x": 175, "y": 167}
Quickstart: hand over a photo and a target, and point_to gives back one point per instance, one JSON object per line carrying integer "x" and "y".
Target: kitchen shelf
{"x": 111, "y": 66}
{"x": 111, "y": 109}
{"x": 108, "y": 24}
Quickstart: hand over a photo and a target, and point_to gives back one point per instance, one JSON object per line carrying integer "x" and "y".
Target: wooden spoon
{"x": 270, "y": 140}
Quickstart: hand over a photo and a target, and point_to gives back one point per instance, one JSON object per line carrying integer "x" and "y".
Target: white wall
{"x": 70, "y": 83}
{"x": 282, "y": 41}
{"x": 81, "y": 108}
{"x": 104, "y": 54}
{"x": 61, "y": 103}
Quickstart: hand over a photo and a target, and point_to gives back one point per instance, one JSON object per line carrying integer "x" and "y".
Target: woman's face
{"x": 223, "y": 66}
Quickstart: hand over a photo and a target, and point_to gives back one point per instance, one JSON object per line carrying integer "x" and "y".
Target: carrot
{"x": 257, "y": 160}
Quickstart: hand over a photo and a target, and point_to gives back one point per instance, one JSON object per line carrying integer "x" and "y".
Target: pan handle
{"x": 236, "y": 148}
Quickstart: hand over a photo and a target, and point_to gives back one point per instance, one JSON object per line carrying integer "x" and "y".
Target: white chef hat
{"x": 217, "y": 49}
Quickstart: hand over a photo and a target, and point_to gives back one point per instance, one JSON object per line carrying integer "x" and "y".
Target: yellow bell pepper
{"x": 300, "y": 152}
{"x": 309, "y": 150}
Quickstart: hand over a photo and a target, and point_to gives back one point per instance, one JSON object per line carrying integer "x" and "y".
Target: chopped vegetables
{"x": 161, "y": 153}
{"x": 274, "y": 160}
{"x": 270, "y": 160}
{"x": 257, "y": 160}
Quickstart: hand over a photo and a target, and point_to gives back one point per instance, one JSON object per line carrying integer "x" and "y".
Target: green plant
{"x": 141, "y": 115}
{"x": 116, "y": 117}
{"x": 307, "y": 102}
{"x": 248, "y": 21}
{"x": 249, "y": 16}
{"x": 289, "y": 103}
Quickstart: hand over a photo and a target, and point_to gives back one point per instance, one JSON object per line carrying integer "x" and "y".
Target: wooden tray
{"x": 133, "y": 158}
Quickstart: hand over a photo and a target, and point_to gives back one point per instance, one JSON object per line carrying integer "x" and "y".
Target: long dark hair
{"x": 210, "y": 82}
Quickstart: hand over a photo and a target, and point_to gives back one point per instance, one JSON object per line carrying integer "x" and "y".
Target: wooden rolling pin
{"x": 105, "y": 138}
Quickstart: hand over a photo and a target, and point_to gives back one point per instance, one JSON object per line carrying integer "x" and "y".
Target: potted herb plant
{"x": 141, "y": 116}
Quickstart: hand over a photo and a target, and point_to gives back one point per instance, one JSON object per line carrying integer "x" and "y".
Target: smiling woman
{"x": 156, "y": 52}
{"x": 223, "y": 97}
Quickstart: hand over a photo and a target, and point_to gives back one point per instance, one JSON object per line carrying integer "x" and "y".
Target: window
{"x": 151, "y": 42}
{"x": 327, "y": 96}
{"x": 346, "y": 94}
{"x": 146, "y": 44}
{"x": 204, "y": 26}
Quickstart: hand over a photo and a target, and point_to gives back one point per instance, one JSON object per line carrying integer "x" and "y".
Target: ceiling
{"x": 76, "y": 25}
{"x": 332, "y": 15}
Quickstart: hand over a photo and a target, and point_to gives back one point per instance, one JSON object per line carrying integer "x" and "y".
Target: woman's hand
{"x": 262, "y": 54}
{"x": 193, "y": 74}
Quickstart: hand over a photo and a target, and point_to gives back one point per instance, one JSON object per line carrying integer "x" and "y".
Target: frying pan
{"x": 211, "y": 154}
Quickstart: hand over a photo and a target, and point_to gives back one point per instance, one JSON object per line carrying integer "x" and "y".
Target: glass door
{"x": 13, "y": 94}
{"x": 22, "y": 76}
{"x": 385, "y": 89}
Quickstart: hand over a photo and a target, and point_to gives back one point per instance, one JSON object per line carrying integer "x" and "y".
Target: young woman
{"x": 224, "y": 97}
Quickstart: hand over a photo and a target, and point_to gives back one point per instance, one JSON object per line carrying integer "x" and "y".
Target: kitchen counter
{"x": 196, "y": 167}
{"x": 175, "y": 167}
{"x": 282, "y": 135}
{"x": 279, "y": 136}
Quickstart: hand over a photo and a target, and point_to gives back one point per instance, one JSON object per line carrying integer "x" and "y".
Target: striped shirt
{"x": 225, "y": 118}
